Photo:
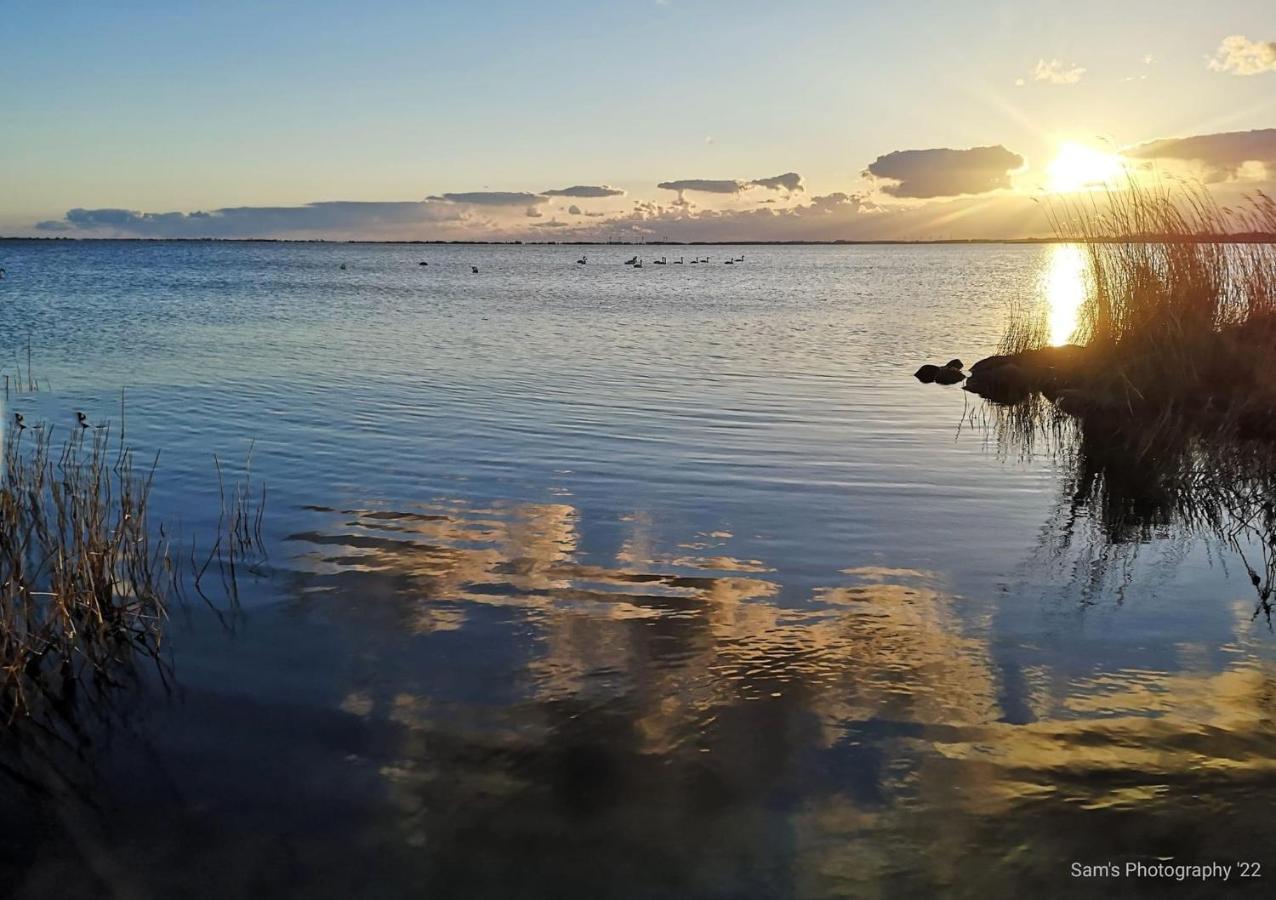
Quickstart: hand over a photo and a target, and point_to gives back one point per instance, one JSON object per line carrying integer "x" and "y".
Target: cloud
{"x": 1241, "y": 56}
{"x": 923, "y": 174}
{"x": 705, "y": 185}
{"x": 789, "y": 181}
{"x": 1055, "y": 72}
{"x": 586, "y": 191}
{"x": 493, "y": 198}
{"x": 1223, "y": 156}
{"x": 336, "y": 217}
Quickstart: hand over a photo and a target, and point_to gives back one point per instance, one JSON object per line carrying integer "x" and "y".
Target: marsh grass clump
{"x": 85, "y": 580}
{"x": 1178, "y": 316}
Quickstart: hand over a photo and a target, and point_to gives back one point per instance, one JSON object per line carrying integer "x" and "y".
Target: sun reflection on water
{"x": 1063, "y": 287}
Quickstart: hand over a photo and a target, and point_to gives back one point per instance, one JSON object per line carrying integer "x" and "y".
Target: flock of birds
{"x": 633, "y": 261}
{"x": 664, "y": 261}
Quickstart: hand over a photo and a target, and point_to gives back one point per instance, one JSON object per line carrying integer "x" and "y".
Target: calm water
{"x": 587, "y": 581}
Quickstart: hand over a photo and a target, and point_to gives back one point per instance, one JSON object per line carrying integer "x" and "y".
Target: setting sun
{"x": 1078, "y": 167}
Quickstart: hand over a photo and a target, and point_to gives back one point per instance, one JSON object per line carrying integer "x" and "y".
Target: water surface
{"x": 593, "y": 581}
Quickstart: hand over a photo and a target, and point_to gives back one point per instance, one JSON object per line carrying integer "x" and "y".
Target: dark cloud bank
{"x": 1221, "y": 155}
{"x": 924, "y": 174}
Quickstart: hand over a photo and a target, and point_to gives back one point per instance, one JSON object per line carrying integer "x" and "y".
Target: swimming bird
{"x": 1, "y": 271}
{"x": 423, "y": 263}
{"x": 728, "y": 262}
{"x": 17, "y": 420}
{"x": 638, "y": 264}
{"x": 474, "y": 270}
{"x": 82, "y": 419}
{"x": 661, "y": 262}
{"x": 678, "y": 261}
{"x": 343, "y": 267}
{"x": 582, "y": 261}
{"x": 740, "y": 258}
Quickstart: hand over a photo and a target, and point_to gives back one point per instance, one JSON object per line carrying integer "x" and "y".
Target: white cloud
{"x": 1241, "y": 56}
{"x": 1055, "y": 72}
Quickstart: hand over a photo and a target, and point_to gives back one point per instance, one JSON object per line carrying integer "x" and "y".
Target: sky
{"x": 762, "y": 121}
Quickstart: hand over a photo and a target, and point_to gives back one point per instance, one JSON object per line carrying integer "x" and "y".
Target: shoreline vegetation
{"x": 1163, "y": 403}
{"x": 1174, "y": 332}
{"x": 87, "y": 579}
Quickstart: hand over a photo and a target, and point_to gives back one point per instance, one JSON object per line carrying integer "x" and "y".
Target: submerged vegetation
{"x": 86, "y": 577}
{"x": 1178, "y": 319}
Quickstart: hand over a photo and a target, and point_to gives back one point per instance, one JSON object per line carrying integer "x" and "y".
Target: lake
{"x": 589, "y": 580}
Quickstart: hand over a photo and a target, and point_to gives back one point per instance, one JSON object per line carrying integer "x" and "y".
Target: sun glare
{"x": 1080, "y": 168}
{"x": 1063, "y": 284}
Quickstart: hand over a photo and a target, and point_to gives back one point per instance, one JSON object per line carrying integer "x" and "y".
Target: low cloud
{"x": 1221, "y": 156}
{"x": 1055, "y": 72}
{"x": 942, "y": 172}
{"x": 705, "y": 185}
{"x": 493, "y": 198}
{"x": 586, "y": 191}
{"x": 1241, "y": 56}
{"x": 336, "y": 217}
{"x": 789, "y": 181}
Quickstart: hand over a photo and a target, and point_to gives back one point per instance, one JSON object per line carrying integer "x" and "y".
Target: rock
{"x": 927, "y": 374}
{"x": 1073, "y": 402}
{"x": 954, "y": 364}
{"x": 991, "y": 362}
{"x": 1002, "y": 383}
{"x": 949, "y": 375}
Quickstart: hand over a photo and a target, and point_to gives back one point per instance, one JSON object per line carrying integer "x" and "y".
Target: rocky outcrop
{"x": 946, "y": 374}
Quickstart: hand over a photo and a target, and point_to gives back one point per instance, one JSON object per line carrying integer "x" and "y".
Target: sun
{"x": 1077, "y": 167}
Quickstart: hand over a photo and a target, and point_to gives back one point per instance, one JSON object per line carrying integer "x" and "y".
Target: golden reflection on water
{"x": 1063, "y": 288}
{"x": 673, "y": 698}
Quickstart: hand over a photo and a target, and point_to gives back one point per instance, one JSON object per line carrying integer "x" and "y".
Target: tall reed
{"x": 84, "y": 578}
{"x": 1179, "y": 296}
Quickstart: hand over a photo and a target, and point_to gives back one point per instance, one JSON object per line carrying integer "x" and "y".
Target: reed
{"x": 87, "y": 579}
{"x": 84, "y": 578}
{"x": 1180, "y": 298}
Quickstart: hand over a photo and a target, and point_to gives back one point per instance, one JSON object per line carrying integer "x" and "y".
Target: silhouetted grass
{"x": 1179, "y": 311}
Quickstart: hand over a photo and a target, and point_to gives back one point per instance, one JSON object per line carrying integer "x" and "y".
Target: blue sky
{"x": 175, "y": 106}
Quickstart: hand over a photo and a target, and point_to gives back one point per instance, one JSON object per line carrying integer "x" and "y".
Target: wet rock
{"x": 931, "y": 374}
{"x": 1003, "y": 383}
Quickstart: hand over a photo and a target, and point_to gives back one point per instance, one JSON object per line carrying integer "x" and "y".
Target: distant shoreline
{"x": 1246, "y": 238}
